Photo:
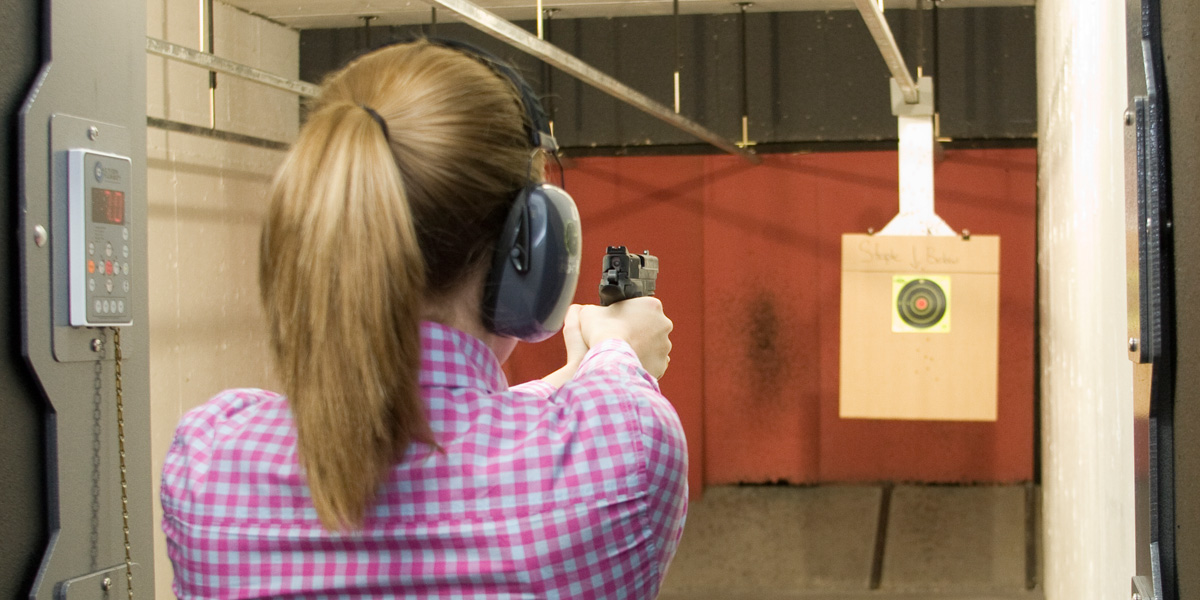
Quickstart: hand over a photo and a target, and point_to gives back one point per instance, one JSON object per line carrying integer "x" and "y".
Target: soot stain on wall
{"x": 766, "y": 348}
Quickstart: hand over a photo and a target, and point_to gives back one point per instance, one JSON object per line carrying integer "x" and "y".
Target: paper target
{"x": 921, "y": 304}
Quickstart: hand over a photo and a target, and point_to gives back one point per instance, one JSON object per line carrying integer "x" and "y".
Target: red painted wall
{"x": 751, "y": 275}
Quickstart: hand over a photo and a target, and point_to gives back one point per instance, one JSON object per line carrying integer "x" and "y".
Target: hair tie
{"x": 378, "y": 119}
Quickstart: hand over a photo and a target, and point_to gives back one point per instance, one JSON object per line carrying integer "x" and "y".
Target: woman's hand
{"x": 638, "y": 321}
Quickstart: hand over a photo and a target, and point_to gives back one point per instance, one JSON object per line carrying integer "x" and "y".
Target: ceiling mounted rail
{"x": 872, "y": 14}
{"x": 528, "y": 43}
{"x": 214, "y": 63}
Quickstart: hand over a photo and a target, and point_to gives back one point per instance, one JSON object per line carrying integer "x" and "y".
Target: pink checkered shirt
{"x": 579, "y": 492}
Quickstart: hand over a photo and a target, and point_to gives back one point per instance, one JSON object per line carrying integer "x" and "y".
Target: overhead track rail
{"x": 215, "y": 63}
{"x": 872, "y": 15}
{"x": 211, "y": 63}
{"x": 522, "y": 40}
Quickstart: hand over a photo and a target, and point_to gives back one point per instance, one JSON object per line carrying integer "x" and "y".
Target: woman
{"x": 400, "y": 462}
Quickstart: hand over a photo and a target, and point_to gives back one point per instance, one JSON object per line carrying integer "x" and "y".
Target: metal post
{"x": 548, "y": 72}
{"x": 206, "y": 45}
{"x": 367, "y": 29}
{"x": 745, "y": 77}
{"x": 677, "y": 56}
{"x": 937, "y": 121}
{"x": 539, "y": 20}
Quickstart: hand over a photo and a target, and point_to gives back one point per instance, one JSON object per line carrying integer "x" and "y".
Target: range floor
{"x": 859, "y": 542}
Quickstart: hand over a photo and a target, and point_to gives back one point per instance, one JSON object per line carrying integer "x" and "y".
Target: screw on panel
{"x": 97, "y": 345}
{"x": 1128, "y": 117}
{"x": 106, "y": 583}
{"x": 1136, "y": 596}
{"x": 1133, "y": 344}
{"x": 40, "y": 236}
{"x": 93, "y": 133}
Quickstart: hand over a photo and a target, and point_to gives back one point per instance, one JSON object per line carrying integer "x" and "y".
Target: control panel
{"x": 98, "y": 189}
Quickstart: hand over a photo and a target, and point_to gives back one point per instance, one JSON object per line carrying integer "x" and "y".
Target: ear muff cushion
{"x": 535, "y": 268}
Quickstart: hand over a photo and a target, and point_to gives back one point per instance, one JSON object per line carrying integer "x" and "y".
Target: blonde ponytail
{"x": 348, "y": 349}
{"x": 364, "y": 223}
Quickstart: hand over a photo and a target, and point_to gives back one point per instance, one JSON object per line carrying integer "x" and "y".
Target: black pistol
{"x": 627, "y": 275}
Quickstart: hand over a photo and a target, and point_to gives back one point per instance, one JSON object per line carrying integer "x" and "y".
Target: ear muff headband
{"x": 539, "y": 133}
{"x": 535, "y": 264}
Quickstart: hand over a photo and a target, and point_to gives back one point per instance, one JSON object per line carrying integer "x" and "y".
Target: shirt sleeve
{"x": 186, "y": 465}
{"x": 185, "y": 478}
{"x": 663, "y": 441}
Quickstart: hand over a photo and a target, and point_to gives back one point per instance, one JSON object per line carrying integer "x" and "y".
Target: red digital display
{"x": 108, "y": 206}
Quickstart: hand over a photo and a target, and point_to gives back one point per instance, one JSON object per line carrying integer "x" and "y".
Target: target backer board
{"x": 919, "y": 327}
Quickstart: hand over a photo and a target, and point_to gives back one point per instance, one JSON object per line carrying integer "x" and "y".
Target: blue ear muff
{"x": 536, "y": 263}
{"x": 535, "y": 267}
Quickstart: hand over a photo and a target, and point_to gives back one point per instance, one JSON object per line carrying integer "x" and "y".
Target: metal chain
{"x": 97, "y": 435}
{"x": 121, "y": 448}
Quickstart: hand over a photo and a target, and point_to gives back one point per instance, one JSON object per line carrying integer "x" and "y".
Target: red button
{"x": 108, "y": 267}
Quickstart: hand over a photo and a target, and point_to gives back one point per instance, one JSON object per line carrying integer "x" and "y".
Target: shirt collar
{"x": 453, "y": 359}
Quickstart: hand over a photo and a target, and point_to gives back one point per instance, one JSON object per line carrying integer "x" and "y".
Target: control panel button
{"x": 125, "y": 269}
{"x": 108, "y": 285}
{"x": 108, "y": 249}
{"x": 91, "y": 267}
{"x": 125, "y": 233}
{"x": 91, "y": 248}
{"x": 108, "y": 267}
{"x": 91, "y": 284}
{"x": 98, "y": 306}
{"x": 121, "y": 306}
{"x": 125, "y": 251}
{"x": 104, "y": 304}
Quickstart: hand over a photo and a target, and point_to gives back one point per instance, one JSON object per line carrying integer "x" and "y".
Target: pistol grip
{"x": 610, "y": 294}
{"x": 616, "y": 292}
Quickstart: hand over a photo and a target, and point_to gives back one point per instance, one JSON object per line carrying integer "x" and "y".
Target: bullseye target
{"x": 921, "y": 304}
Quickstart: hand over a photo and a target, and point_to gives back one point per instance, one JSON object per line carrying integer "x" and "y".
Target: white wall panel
{"x": 1086, "y": 383}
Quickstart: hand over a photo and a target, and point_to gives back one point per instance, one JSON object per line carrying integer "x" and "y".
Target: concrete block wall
{"x": 206, "y": 202}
